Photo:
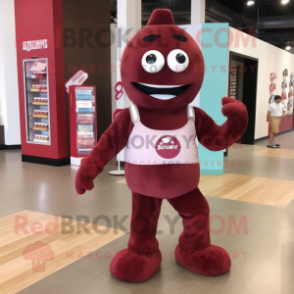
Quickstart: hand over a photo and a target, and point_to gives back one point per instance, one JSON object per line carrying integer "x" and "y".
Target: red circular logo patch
{"x": 168, "y": 147}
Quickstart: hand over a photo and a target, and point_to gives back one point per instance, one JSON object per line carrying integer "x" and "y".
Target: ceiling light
{"x": 253, "y": 2}
{"x": 283, "y": 1}
{"x": 288, "y": 47}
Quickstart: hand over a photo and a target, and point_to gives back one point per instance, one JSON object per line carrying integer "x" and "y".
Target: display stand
{"x": 83, "y": 122}
{"x": 118, "y": 172}
{"x": 40, "y": 63}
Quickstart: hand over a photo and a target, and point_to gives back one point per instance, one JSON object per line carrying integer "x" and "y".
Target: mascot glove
{"x": 90, "y": 167}
{"x": 234, "y": 108}
{"x": 237, "y": 115}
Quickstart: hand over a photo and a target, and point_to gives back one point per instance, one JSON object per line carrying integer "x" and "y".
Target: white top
{"x": 277, "y": 109}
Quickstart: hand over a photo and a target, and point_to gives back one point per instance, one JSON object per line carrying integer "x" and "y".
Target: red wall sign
{"x": 35, "y": 45}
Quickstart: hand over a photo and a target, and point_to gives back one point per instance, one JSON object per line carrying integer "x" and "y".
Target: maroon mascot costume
{"x": 159, "y": 130}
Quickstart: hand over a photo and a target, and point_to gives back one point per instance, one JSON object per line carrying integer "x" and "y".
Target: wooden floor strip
{"x": 260, "y": 190}
{"x": 31, "y": 254}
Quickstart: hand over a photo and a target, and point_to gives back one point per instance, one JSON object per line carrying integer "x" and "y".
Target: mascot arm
{"x": 113, "y": 140}
{"x": 215, "y": 137}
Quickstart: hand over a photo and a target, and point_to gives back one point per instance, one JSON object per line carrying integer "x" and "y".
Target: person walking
{"x": 275, "y": 112}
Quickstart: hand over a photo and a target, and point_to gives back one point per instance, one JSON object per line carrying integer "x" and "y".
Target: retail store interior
{"x": 64, "y": 82}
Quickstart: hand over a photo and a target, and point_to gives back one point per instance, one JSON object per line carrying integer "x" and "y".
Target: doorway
{"x": 243, "y": 87}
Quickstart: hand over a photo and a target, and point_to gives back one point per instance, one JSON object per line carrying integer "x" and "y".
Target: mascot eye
{"x": 177, "y": 60}
{"x": 151, "y": 58}
{"x": 153, "y": 61}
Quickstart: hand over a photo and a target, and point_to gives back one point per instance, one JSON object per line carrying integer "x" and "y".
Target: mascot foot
{"x": 130, "y": 266}
{"x": 211, "y": 261}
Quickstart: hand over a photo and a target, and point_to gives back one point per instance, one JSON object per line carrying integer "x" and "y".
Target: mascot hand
{"x": 90, "y": 167}
{"x": 236, "y": 112}
{"x": 234, "y": 108}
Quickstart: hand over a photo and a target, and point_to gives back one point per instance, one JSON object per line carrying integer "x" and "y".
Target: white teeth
{"x": 161, "y": 86}
{"x": 163, "y": 96}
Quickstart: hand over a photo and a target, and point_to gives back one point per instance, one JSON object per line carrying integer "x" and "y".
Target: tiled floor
{"x": 280, "y": 153}
{"x": 285, "y": 140}
{"x": 262, "y": 258}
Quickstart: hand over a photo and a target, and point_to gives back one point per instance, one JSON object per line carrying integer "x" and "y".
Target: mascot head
{"x": 162, "y": 66}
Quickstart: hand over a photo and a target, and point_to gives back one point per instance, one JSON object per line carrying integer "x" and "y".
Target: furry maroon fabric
{"x": 175, "y": 182}
{"x": 142, "y": 258}
{"x": 194, "y": 250}
{"x": 211, "y": 261}
{"x": 163, "y": 18}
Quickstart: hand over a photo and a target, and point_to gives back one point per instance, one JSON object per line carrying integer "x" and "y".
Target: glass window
{"x": 37, "y": 101}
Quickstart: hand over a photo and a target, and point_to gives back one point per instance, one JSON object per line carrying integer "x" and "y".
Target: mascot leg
{"x": 194, "y": 250}
{"x": 142, "y": 258}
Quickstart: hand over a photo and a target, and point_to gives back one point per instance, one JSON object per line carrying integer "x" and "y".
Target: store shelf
{"x": 85, "y": 150}
{"x": 37, "y": 91}
{"x": 39, "y": 103}
{"x": 37, "y": 129}
{"x": 40, "y": 116}
{"x": 41, "y": 141}
{"x": 84, "y": 124}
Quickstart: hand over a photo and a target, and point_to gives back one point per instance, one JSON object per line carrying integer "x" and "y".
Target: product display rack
{"x": 85, "y": 111}
{"x": 37, "y": 108}
{"x": 83, "y": 121}
{"x": 234, "y": 77}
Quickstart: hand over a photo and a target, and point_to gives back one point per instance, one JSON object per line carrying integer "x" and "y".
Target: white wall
{"x": 128, "y": 16}
{"x": 197, "y": 11}
{"x": 271, "y": 59}
{"x": 9, "y": 103}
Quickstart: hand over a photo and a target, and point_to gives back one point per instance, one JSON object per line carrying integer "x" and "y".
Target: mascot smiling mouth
{"x": 160, "y": 91}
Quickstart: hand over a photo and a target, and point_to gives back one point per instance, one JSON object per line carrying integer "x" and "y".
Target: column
{"x": 129, "y": 14}
{"x": 197, "y": 11}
